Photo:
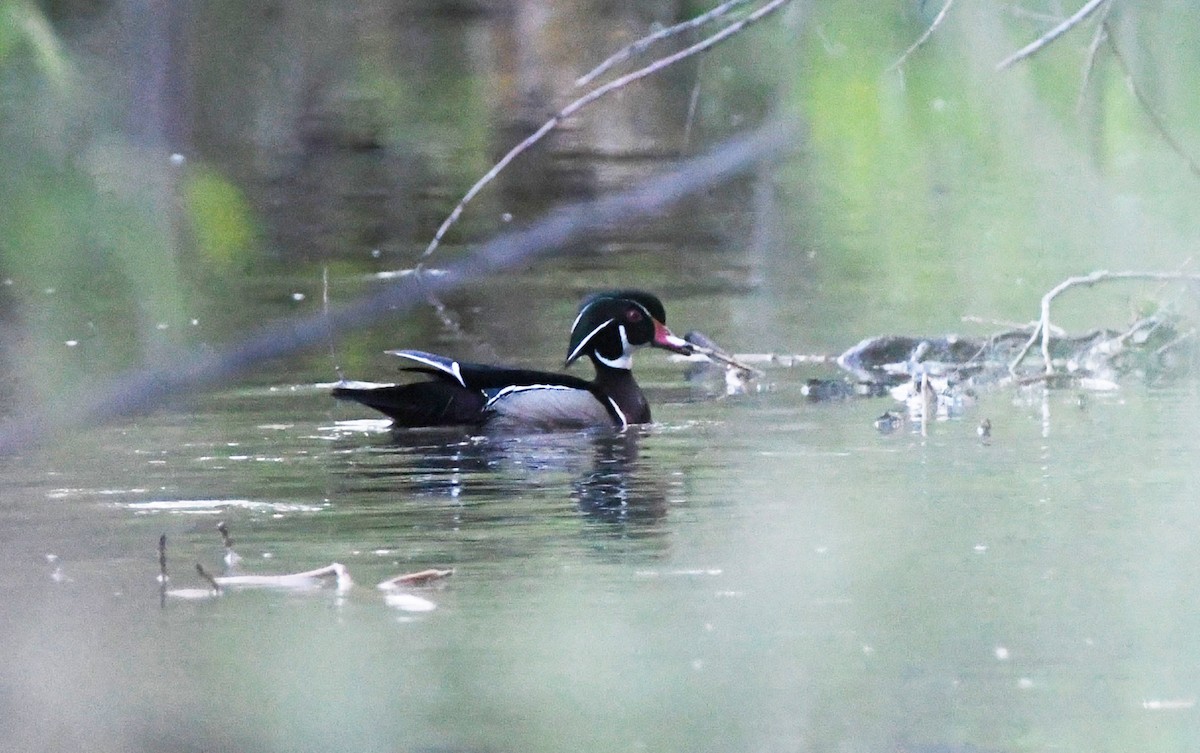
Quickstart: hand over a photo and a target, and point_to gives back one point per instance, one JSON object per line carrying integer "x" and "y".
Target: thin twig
{"x": 162, "y": 571}
{"x": 693, "y": 102}
{"x": 1089, "y": 63}
{"x": 1159, "y": 124}
{"x": 325, "y": 311}
{"x": 921, "y": 40}
{"x": 640, "y": 45}
{"x": 212, "y": 582}
{"x": 574, "y": 107}
{"x": 1036, "y": 45}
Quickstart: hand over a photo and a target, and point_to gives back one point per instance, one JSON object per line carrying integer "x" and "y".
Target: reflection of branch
{"x": 189, "y": 371}
{"x": 1159, "y": 124}
{"x": 1043, "y": 328}
{"x": 640, "y": 45}
{"x": 595, "y": 94}
{"x": 937, "y": 21}
{"x": 1051, "y": 35}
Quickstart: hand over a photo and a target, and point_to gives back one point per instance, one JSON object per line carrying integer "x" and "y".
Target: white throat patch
{"x": 625, "y": 360}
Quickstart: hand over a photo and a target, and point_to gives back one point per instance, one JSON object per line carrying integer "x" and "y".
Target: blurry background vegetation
{"x": 175, "y": 172}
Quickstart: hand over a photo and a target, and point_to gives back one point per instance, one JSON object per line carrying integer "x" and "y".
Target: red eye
{"x": 633, "y": 316}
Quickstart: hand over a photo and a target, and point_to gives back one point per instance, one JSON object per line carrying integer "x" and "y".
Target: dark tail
{"x": 420, "y": 404}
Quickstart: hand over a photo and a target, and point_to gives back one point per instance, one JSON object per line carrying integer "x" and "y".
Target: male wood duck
{"x": 607, "y": 329}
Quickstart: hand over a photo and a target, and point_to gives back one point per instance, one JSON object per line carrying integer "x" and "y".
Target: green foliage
{"x": 221, "y": 219}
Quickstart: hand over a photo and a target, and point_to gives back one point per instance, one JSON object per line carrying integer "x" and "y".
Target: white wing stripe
{"x": 453, "y": 369}
{"x": 515, "y": 388}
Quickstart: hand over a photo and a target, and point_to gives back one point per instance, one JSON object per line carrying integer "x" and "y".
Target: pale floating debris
{"x": 195, "y": 322}
{"x": 178, "y": 159}
{"x": 1002, "y": 653}
{"x": 394, "y": 273}
{"x": 376, "y": 253}
{"x": 407, "y": 602}
{"x": 310, "y": 579}
{"x": 58, "y": 576}
{"x": 506, "y": 217}
{"x": 1169, "y": 704}
{"x": 981, "y": 548}
{"x": 206, "y": 506}
{"x": 51, "y": 557}
{"x": 1024, "y": 683}
{"x": 161, "y": 326}
{"x": 193, "y": 594}
{"x": 414, "y": 579}
{"x": 686, "y": 572}
{"x": 868, "y": 649}
{"x": 70, "y": 343}
{"x": 298, "y": 296}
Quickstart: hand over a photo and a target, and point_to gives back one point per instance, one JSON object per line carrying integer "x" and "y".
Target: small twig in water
{"x": 921, "y": 40}
{"x": 212, "y": 582}
{"x": 162, "y": 570}
{"x": 710, "y": 41}
{"x": 1039, "y": 43}
{"x": 337, "y": 369}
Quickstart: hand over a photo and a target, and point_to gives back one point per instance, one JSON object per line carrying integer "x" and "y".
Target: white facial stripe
{"x": 579, "y": 348}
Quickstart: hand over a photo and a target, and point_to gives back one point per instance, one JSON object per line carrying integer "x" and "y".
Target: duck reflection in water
{"x": 496, "y": 477}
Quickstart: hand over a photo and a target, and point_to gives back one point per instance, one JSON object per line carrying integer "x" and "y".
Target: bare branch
{"x": 645, "y": 42}
{"x": 1043, "y": 329}
{"x": 574, "y": 107}
{"x": 921, "y": 40}
{"x": 1159, "y": 124}
{"x": 1093, "y": 50}
{"x": 1036, "y": 45}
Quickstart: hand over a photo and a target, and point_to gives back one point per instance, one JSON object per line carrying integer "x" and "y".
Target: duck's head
{"x": 611, "y": 324}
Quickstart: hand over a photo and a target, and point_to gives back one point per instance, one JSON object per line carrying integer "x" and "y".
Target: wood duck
{"x": 608, "y": 328}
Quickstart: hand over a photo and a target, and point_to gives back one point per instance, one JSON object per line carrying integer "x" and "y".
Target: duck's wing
{"x": 483, "y": 377}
